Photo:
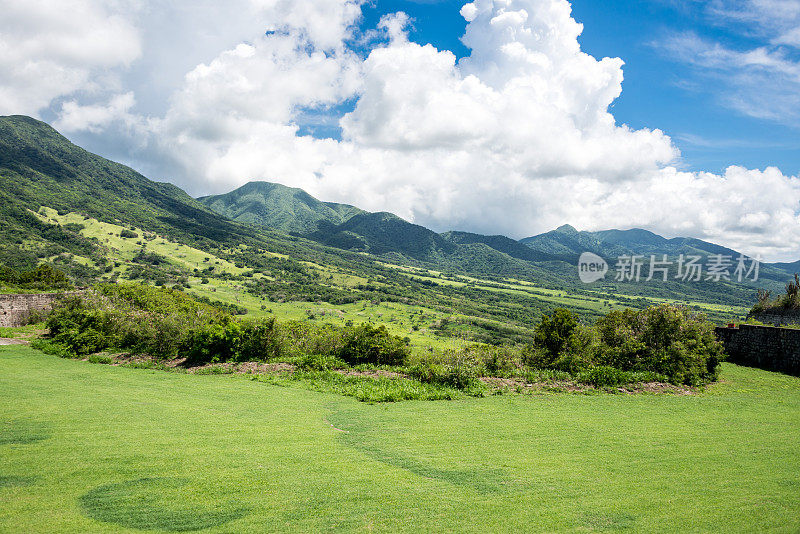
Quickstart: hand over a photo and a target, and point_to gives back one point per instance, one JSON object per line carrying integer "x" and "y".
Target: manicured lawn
{"x": 94, "y": 448}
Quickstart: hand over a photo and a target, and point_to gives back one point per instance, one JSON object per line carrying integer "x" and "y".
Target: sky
{"x": 496, "y": 116}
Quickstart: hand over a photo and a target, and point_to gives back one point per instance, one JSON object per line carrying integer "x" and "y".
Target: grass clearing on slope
{"x": 116, "y": 448}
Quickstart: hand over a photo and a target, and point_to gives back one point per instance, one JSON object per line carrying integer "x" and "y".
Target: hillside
{"x": 284, "y": 209}
{"x": 39, "y": 167}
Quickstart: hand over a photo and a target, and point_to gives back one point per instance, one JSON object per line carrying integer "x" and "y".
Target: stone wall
{"x": 777, "y": 318}
{"x": 16, "y": 309}
{"x": 766, "y": 347}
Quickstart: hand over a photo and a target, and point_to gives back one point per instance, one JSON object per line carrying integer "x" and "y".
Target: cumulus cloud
{"x": 95, "y": 117}
{"x": 53, "y": 48}
{"x": 516, "y": 138}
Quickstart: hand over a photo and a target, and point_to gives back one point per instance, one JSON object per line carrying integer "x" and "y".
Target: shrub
{"x": 458, "y": 374}
{"x": 127, "y": 234}
{"x": 604, "y": 376}
{"x": 552, "y": 337}
{"x": 665, "y": 339}
{"x": 497, "y": 361}
{"x": 561, "y": 343}
{"x": 50, "y": 347}
{"x": 372, "y": 345}
{"x": 235, "y": 341}
{"x": 258, "y": 340}
{"x": 81, "y": 326}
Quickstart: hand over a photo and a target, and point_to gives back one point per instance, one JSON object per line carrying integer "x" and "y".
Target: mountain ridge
{"x": 348, "y": 227}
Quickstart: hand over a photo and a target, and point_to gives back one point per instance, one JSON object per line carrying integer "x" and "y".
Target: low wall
{"x": 766, "y": 347}
{"x": 776, "y": 318}
{"x": 16, "y": 309}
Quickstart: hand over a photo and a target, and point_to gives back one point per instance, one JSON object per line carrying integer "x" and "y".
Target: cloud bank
{"x": 516, "y": 138}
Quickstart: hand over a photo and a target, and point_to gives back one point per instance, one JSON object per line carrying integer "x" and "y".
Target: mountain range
{"x": 343, "y": 226}
{"x": 39, "y": 167}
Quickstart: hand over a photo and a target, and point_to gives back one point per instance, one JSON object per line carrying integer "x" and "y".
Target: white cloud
{"x": 76, "y": 117}
{"x": 516, "y": 138}
{"x": 53, "y": 48}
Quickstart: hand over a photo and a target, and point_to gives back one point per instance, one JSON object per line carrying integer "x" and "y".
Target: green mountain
{"x": 501, "y": 243}
{"x": 40, "y": 167}
{"x": 291, "y": 210}
{"x": 567, "y": 244}
{"x": 284, "y": 209}
{"x": 383, "y": 233}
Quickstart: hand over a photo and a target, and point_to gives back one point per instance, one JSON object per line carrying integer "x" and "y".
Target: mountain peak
{"x": 566, "y": 229}
{"x": 280, "y": 207}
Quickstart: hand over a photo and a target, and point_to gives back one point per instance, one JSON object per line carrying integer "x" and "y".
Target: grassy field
{"x": 95, "y": 448}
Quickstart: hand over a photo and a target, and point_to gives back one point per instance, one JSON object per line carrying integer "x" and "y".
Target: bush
{"x": 81, "y": 326}
{"x": 235, "y": 341}
{"x": 668, "y": 340}
{"x": 554, "y": 332}
{"x": 458, "y": 375}
{"x": 50, "y": 347}
{"x": 127, "y": 234}
{"x": 604, "y": 376}
{"x": 560, "y": 343}
{"x": 258, "y": 340}
{"x": 42, "y": 278}
{"x": 372, "y": 345}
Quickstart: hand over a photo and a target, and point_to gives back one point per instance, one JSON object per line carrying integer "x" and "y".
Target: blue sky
{"x": 659, "y": 90}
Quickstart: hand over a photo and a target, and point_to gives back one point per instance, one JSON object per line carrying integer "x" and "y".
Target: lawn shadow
{"x": 23, "y": 432}
{"x": 361, "y": 432}
{"x": 11, "y": 481}
{"x": 155, "y": 504}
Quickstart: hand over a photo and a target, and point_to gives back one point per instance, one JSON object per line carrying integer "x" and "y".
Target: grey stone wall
{"x": 766, "y": 347}
{"x": 784, "y": 318}
{"x": 16, "y": 309}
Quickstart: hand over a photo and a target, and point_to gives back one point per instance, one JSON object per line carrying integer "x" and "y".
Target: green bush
{"x": 560, "y": 343}
{"x": 604, "y": 376}
{"x": 668, "y": 340}
{"x": 42, "y": 278}
{"x": 50, "y": 347}
{"x": 258, "y": 340}
{"x": 555, "y": 332}
{"x": 81, "y": 326}
{"x": 372, "y": 345}
{"x": 255, "y": 340}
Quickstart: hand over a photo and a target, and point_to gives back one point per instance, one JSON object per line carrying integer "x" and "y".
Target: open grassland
{"x": 96, "y": 448}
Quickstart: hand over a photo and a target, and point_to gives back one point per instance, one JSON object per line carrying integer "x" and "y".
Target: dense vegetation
{"x": 790, "y": 300}
{"x": 42, "y": 278}
{"x": 663, "y": 343}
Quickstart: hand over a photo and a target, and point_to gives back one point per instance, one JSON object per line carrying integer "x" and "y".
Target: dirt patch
{"x": 521, "y": 386}
{"x": 245, "y": 367}
{"x": 225, "y": 368}
{"x": 373, "y": 373}
{"x": 13, "y": 341}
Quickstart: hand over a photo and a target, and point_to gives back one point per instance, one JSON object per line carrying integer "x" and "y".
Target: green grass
{"x": 96, "y": 448}
{"x": 21, "y": 331}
